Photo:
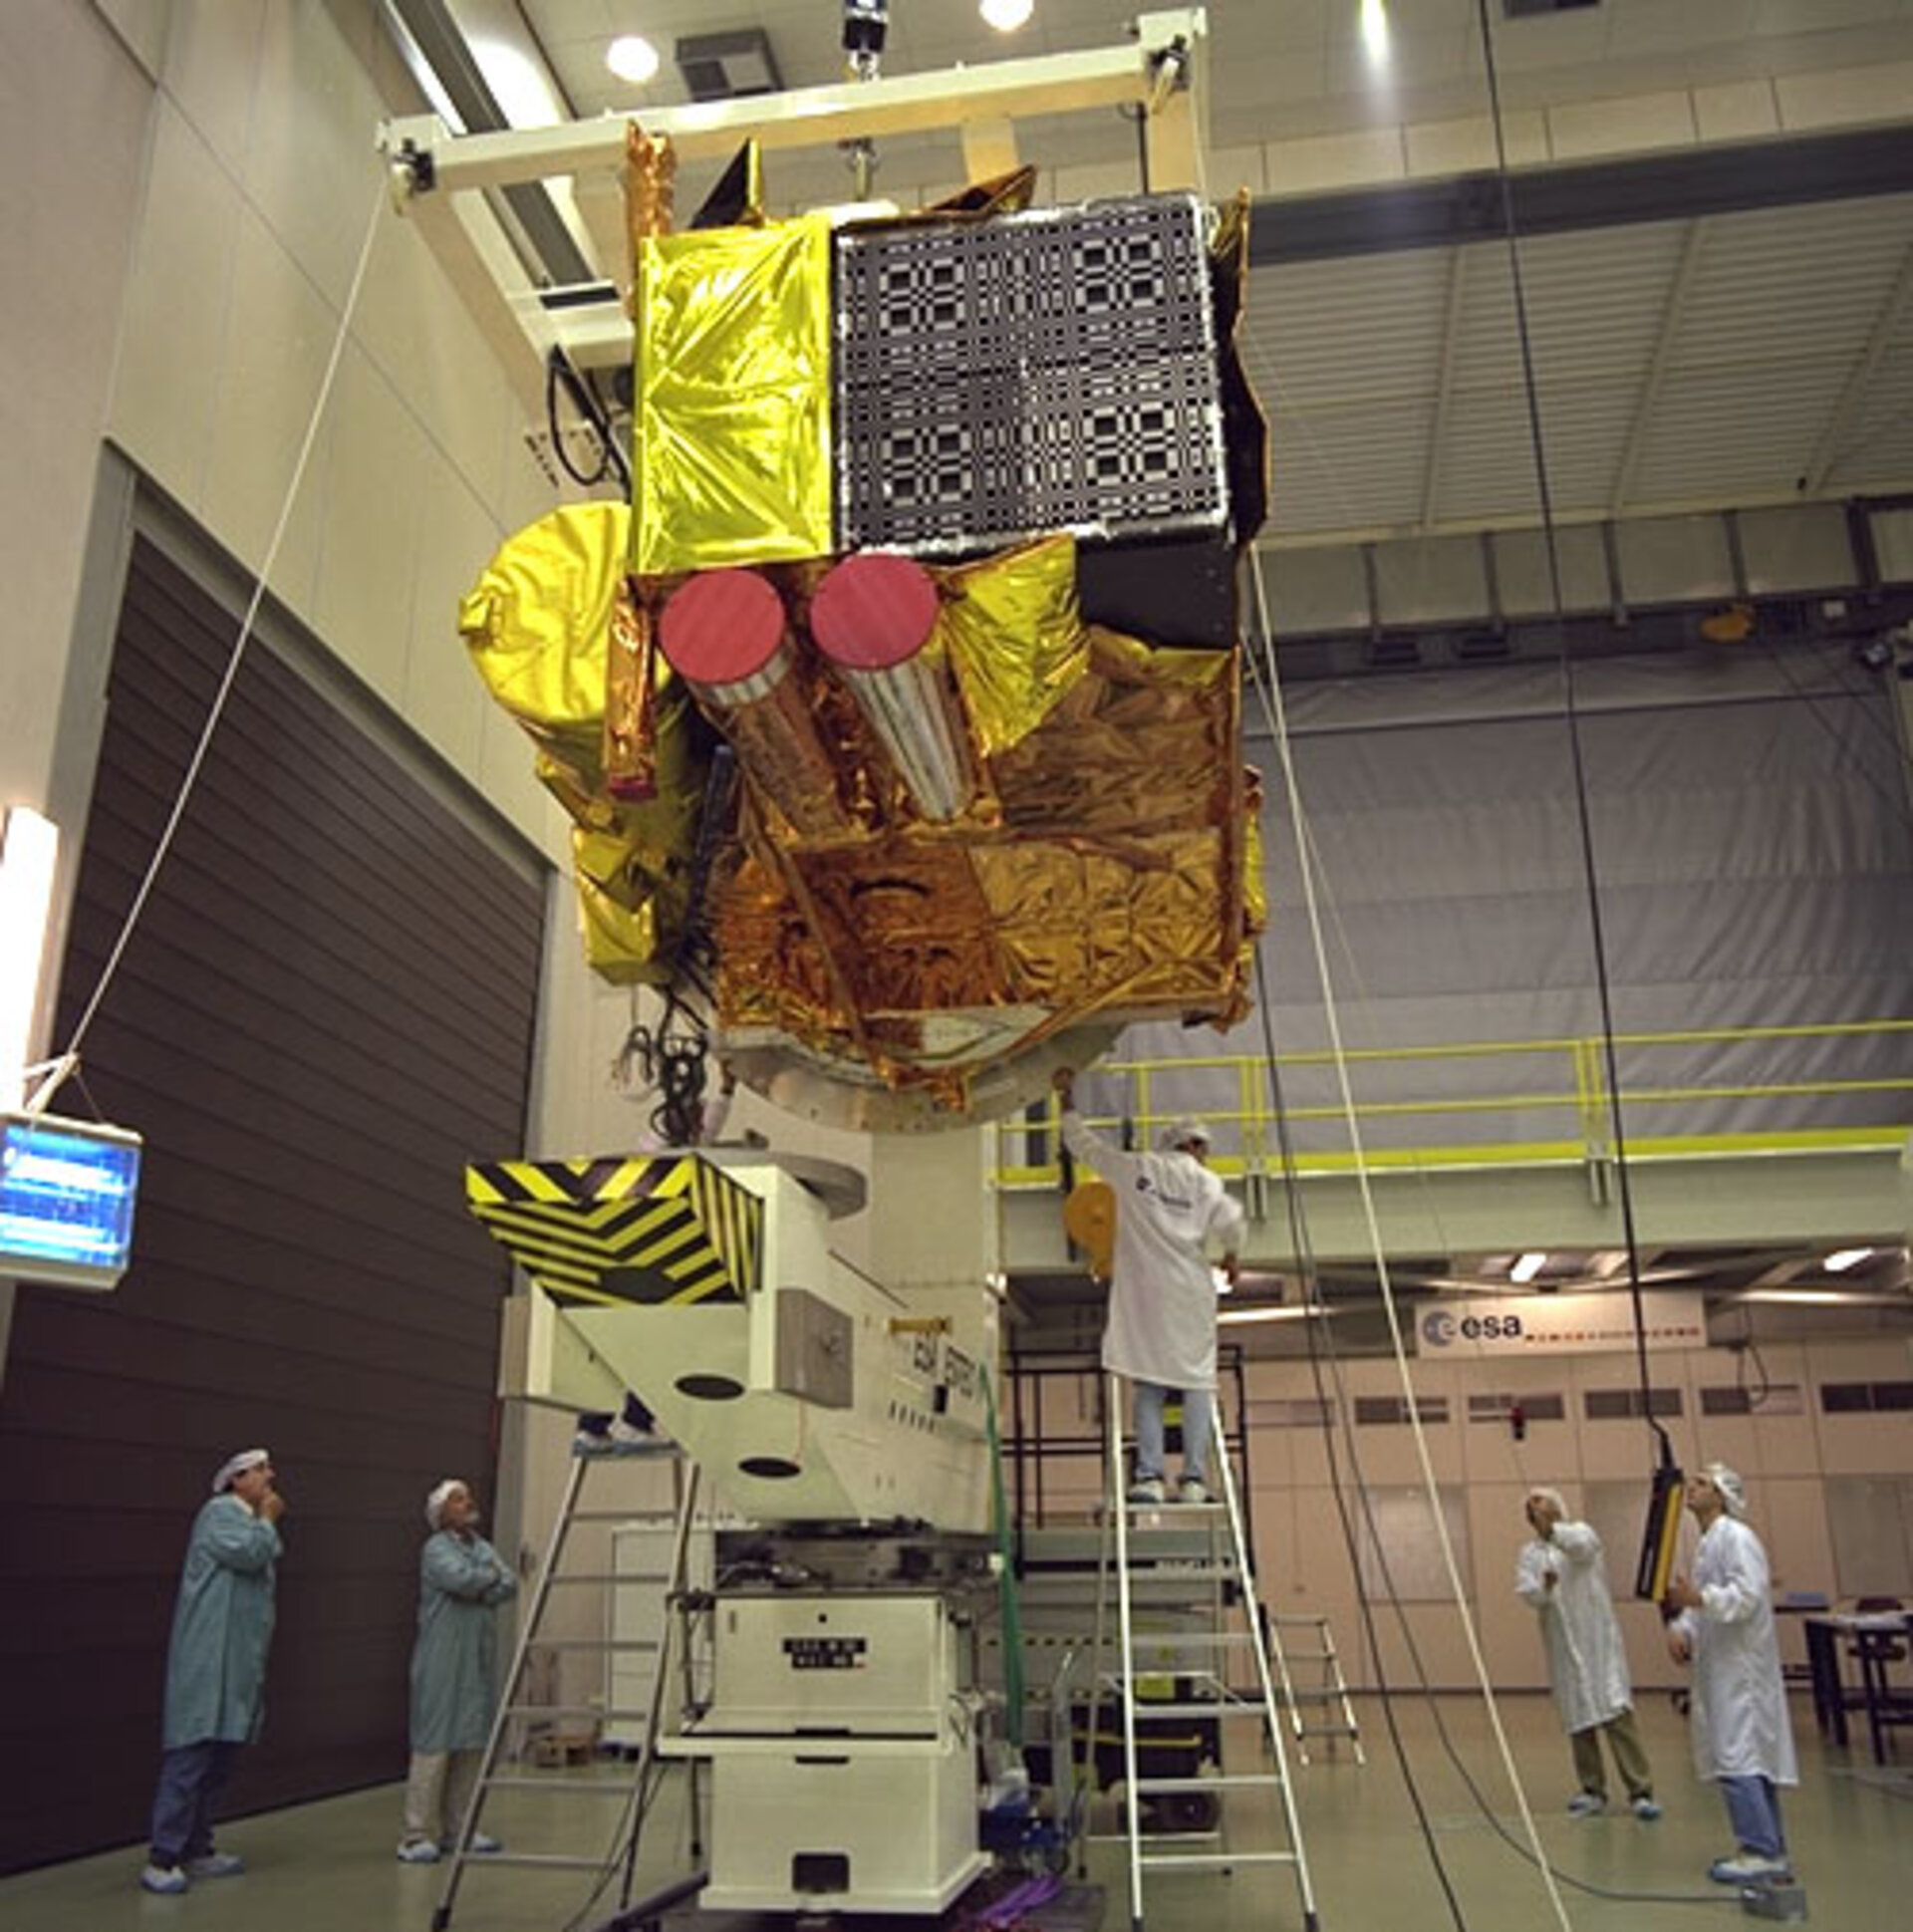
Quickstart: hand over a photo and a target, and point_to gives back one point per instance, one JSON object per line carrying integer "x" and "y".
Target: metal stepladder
{"x": 673, "y": 1652}
{"x": 1200, "y": 1547}
{"x": 1329, "y": 1696}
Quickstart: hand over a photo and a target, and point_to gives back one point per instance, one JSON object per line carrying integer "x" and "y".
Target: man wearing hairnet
{"x": 1725, "y": 1629}
{"x": 1161, "y": 1332}
{"x": 461, "y": 1582}
{"x": 216, "y": 1667}
{"x": 1560, "y": 1575}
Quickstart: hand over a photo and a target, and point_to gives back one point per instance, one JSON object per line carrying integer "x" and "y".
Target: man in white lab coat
{"x": 1559, "y": 1574}
{"x": 1161, "y": 1332}
{"x": 1743, "y": 1738}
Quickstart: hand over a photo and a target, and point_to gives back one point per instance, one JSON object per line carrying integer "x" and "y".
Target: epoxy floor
{"x": 328, "y": 1866}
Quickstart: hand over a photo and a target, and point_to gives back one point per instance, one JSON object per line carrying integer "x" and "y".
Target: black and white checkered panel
{"x": 1049, "y": 371}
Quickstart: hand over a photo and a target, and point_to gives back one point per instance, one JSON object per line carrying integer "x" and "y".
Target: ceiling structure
{"x": 1753, "y": 358}
{"x": 1282, "y": 67}
{"x": 1723, "y": 358}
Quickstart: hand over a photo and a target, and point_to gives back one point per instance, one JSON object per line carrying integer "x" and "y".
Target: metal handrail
{"x": 1583, "y": 1089}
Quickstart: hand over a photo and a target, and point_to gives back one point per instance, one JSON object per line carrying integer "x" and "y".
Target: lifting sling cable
{"x": 1277, "y": 718}
{"x": 1667, "y": 1475}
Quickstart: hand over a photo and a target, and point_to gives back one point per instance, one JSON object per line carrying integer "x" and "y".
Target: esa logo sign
{"x": 1439, "y": 1329}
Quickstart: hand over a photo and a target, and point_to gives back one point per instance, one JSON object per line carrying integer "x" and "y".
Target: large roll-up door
{"x": 325, "y": 1010}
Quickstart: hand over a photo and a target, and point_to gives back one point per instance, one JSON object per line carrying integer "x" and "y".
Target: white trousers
{"x": 437, "y": 1792}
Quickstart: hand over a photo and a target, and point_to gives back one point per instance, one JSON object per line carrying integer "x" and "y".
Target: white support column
{"x": 933, "y": 1221}
{"x": 29, "y": 858}
{"x": 1176, "y": 132}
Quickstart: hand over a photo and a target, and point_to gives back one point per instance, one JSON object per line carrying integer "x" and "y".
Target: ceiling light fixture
{"x": 1297, "y": 1313}
{"x": 1824, "y": 1298}
{"x": 1375, "y": 30}
{"x": 1843, "y": 1258}
{"x": 1007, "y": 15}
{"x": 1525, "y": 1270}
{"x": 633, "y": 58}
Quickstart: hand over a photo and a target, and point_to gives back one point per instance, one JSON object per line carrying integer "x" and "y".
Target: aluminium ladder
{"x": 1203, "y": 1688}
{"x": 1328, "y": 1696}
{"x": 512, "y": 1704}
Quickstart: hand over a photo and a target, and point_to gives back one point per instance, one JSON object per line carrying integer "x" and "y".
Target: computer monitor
{"x": 67, "y": 1193}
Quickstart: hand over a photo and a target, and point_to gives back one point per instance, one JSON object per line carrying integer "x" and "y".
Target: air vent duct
{"x": 722, "y": 67}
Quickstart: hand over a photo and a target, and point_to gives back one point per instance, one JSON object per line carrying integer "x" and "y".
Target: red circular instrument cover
{"x": 722, "y": 627}
{"x": 873, "y": 611}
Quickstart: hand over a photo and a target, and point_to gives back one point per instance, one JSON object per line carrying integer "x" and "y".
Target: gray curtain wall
{"x": 1754, "y": 852}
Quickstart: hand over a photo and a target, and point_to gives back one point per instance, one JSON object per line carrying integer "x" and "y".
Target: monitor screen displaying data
{"x": 67, "y": 1191}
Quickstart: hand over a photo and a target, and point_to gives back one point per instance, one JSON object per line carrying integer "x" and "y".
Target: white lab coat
{"x": 1586, "y": 1658}
{"x": 1162, "y": 1294}
{"x": 1738, "y": 1717}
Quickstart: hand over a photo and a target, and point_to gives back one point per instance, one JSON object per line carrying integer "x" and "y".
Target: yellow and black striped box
{"x": 654, "y": 1230}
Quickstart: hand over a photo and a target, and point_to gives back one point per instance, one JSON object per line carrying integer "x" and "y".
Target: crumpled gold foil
{"x": 632, "y": 663}
{"x": 538, "y": 625}
{"x": 1147, "y": 739}
{"x": 1009, "y": 194}
{"x": 651, "y": 181}
{"x": 1255, "y": 884}
{"x": 1015, "y": 636}
{"x": 733, "y": 437}
{"x": 1107, "y": 881}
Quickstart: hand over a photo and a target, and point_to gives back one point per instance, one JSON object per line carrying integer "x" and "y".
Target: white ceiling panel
{"x": 1736, "y": 433}
{"x": 1486, "y": 467}
{"x": 1595, "y": 300}
{"x": 1350, "y": 468}
{"x": 1319, "y": 332}
{"x": 1709, "y": 365}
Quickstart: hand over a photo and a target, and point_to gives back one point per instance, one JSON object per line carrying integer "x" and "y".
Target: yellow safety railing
{"x": 1571, "y": 1081}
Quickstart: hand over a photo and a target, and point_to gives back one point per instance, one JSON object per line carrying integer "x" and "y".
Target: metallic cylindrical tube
{"x": 724, "y": 634}
{"x": 871, "y": 618}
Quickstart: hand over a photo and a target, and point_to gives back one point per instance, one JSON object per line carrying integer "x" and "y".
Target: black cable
{"x": 1750, "y": 1347}
{"x": 668, "y": 1057}
{"x": 591, "y": 410}
{"x": 631, "y": 1822}
{"x": 1335, "y": 1413}
{"x": 1610, "y": 1055}
{"x": 1895, "y": 801}
{"x": 1311, "y": 1295}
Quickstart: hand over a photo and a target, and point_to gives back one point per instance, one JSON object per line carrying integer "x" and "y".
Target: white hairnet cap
{"x": 1180, "y": 1133}
{"x": 1727, "y": 1481}
{"x": 437, "y": 1501}
{"x": 237, "y": 1465}
{"x": 1546, "y": 1495}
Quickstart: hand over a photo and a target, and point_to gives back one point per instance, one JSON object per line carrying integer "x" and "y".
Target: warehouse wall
{"x": 1832, "y": 1494}
{"x": 202, "y": 175}
{"x": 291, "y": 1028}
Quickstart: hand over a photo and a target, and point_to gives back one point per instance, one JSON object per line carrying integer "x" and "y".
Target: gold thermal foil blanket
{"x": 1103, "y": 880}
{"x": 1016, "y": 637}
{"x": 733, "y": 442}
{"x": 1109, "y": 865}
{"x": 538, "y": 624}
{"x": 538, "y": 627}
